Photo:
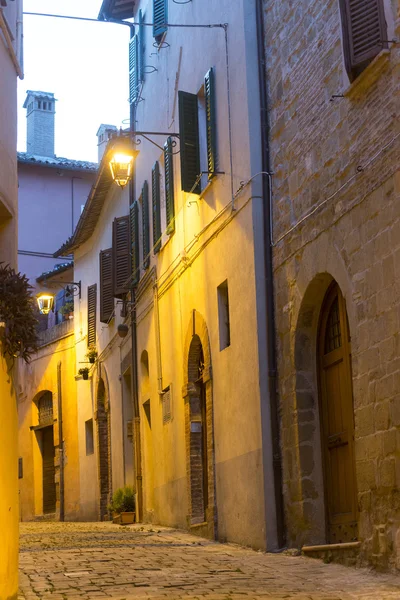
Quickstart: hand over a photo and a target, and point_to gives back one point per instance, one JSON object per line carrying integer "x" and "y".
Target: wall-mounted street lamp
{"x": 45, "y": 300}
{"x": 122, "y": 154}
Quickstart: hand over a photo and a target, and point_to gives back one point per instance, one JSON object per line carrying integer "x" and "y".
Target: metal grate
{"x": 46, "y": 408}
{"x": 333, "y": 336}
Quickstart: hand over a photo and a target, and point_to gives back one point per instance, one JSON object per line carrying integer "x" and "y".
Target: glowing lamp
{"x": 45, "y": 302}
{"x": 121, "y": 163}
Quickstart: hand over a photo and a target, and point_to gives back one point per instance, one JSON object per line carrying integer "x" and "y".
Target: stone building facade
{"x": 335, "y": 149}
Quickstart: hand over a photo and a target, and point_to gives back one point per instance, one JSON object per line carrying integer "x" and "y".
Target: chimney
{"x": 104, "y": 133}
{"x": 40, "y": 123}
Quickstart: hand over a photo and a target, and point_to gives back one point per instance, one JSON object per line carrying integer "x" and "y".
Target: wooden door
{"x": 337, "y": 419}
{"x": 49, "y": 486}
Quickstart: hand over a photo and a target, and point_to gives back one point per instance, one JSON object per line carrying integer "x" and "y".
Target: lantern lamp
{"x": 121, "y": 162}
{"x": 45, "y": 302}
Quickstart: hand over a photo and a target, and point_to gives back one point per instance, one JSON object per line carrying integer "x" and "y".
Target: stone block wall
{"x": 336, "y": 215}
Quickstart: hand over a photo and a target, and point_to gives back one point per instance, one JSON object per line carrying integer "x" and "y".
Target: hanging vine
{"x": 18, "y": 335}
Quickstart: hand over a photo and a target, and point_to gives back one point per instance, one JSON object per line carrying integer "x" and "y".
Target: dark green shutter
{"x": 209, "y": 93}
{"x": 146, "y": 225}
{"x": 92, "y": 304}
{"x": 121, "y": 255}
{"x": 160, "y": 17}
{"x": 141, "y": 48}
{"x": 364, "y": 32}
{"x": 169, "y": 185}
{"x": 134, "y": 234}
{"x": 133, "y": 70}
{"x": 190, "y": 145}
{"x": 106, "y": 286}
{"x": 156, "y": 206}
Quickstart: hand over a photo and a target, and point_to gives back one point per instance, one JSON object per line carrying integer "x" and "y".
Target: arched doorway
{"x": 44, "y": 432}
{"x": 337, "y": 418}
{"x": 197, "y": 392}
{"x": 104, "y": 449}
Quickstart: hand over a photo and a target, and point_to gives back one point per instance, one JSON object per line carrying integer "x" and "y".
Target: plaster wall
{"x": 8, "y": 254}
{"x": 338, "y": 159}
{"x": 39, "y": 376}
{"x": 50, "y": 201}
{"x": 190, "y": 267}
{"x": 112, "y": 350}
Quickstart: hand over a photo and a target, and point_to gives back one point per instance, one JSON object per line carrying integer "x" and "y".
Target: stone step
{"x": 345, "y": 554}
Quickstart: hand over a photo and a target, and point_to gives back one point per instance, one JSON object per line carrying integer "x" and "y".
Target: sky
{"x": 84, "y": 64}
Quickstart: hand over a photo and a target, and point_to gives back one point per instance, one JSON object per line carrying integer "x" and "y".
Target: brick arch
{"x": 103, "y": 421}
{"x": 199, "y": 430}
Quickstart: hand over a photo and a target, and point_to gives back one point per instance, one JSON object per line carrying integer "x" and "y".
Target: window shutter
{"x": 190, "y": 146}
{"x": 134, "y": 241}
{"x": 92, "y": 303}
{"x": 209, "y": 92}
{"x": 160, "y": 17}
{"x": 106, "y": 286}
{"x": 169, "y": 186}
{"x": 133, "y": 70}
{"x": 146, "y": 225}
{"x": 121, "y": 255}
{"x": 155, "y": 177}
{"x": 364, "y": 28}
{"x": 141, "y": 48}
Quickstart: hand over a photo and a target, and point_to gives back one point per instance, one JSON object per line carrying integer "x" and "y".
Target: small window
{"x": 166, "y": 404}
{"x": 223, "y": 316}
{"x": 89, "y": 437}
{"x": 44, "y": 105}
{"x": 39, "y": 104}
{"x": 20, "y": 469}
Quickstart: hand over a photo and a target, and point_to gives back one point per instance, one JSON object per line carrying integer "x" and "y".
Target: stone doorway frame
{"x": 197, "y": 340}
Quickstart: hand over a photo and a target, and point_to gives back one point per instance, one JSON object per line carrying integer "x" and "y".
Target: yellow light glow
{"x": 121, "y": 158}
{"x": 45, "y": 302}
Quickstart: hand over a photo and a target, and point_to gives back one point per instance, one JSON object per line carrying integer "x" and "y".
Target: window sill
{"x": 368, "y": 77}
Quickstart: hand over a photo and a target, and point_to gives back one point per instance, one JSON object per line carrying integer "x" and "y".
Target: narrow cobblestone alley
{"x": 66, "y": 561}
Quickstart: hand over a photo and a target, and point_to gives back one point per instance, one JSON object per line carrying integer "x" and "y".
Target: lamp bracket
{"x": 72, "y": 288}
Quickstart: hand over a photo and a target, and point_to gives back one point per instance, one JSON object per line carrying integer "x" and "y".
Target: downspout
{"x": 9, "y": 44}
{"x": 269, "y": 283}
{"x": 60, "y": 440}
{"x": 135, "y": 385}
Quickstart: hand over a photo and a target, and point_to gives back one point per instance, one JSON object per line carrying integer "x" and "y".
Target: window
{"x": 106, "y": 286}
{"x": 144, "y": 198}
{"x": 160, "y": 18}
{"x": 156, "y": 207}
{"x": 166, "y": 404}
{"x": 39, "y": 104}
{"x": 89, "y": 437}
{"x": 92, "y": 304}
{"x": 223, "y": 316}
{"x": 198, "y": 135}
{"x": 364, "y": 33}
{"x": 121, "y": 255}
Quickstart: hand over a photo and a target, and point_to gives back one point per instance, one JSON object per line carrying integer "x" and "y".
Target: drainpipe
{"x": 270, "y": 308}
{"x": 135, "y": 386}
{"x": 60, "y": 441}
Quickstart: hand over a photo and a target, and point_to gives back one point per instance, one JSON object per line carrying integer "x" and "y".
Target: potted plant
{"x": 84, "y": 372}
{"x": 67, "y": 310}
{"x": 123, "y": 506}
{"x": 91, "y": 353}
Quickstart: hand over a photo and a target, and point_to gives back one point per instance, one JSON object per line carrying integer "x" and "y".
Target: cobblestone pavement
{"x": 66, "y": 561}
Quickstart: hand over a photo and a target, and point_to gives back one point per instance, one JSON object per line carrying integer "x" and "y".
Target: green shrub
{"x": 123, "y": 500}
